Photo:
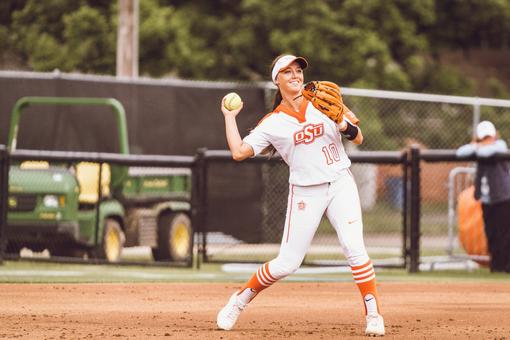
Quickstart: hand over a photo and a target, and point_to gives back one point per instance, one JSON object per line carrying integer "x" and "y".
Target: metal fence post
{"x": 405, "y": 207}
{"x": 194, "y": 200}
{"x": 98, "y": 204}
{"x": 476, "y": 113}
{"x": 415, "y": 210}
{"x": 195, "y": 204}
{"x": 199, "y": 204}
{"x": 4, "y": 187}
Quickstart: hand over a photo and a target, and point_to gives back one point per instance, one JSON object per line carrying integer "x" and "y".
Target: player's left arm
{"x": 349, "y": 127}
{"x": 486, "y": 150}
{"x": 359, "y": 138}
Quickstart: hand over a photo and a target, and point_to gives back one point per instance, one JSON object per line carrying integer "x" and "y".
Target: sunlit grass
{"x": 37, "y": 272}
{"x": 385, "y": 218}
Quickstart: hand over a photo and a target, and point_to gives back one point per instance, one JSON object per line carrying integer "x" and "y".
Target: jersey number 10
{"x": 331, "y": 153}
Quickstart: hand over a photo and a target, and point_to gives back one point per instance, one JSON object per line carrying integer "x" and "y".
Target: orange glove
{"x": 325, "y": 96}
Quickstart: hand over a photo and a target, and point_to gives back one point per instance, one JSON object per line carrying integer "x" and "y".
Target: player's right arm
{"x": 238, "y": 148}
{"x": 490, "y": 149}
{"x": 466, "y": 150}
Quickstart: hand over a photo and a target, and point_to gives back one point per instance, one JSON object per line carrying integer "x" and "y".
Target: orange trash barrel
{"x": 470, "y": 220}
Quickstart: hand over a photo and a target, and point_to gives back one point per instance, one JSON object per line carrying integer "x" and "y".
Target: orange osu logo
{"x": 308, "y": 134}
{"x": 301, "y": 205}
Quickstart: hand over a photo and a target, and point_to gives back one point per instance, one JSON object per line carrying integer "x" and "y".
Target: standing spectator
{"x": 492, "y": 188}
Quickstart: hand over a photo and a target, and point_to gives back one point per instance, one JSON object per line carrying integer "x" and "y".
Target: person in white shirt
{"x": 492, "y": 188}
{"x": 320, "y": 182}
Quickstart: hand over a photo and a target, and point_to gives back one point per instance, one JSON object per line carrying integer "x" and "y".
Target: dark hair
{"x": 270, "y": 150}
{"x": 278, "y": 96}
{"x": 277, "y": 99}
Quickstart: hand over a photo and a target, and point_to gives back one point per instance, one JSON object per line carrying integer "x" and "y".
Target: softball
{"x": 232, "y": 101}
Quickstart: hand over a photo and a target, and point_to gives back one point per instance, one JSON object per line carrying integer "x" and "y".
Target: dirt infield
{"x": 287, "y": 310}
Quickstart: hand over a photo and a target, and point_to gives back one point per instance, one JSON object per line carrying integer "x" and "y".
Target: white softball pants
{"x": 306, "y": 206}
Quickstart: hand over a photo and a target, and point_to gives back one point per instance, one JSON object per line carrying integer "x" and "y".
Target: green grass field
{"x": 43, "y": 272}
{"x": 383, "y": 218}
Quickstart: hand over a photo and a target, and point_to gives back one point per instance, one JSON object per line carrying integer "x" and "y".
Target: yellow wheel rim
{"x": 180, "y": 240}
{"x": 112, "y": 245}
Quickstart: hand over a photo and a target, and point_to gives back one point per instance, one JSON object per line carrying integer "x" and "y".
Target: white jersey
{"x": 308, "y": 141}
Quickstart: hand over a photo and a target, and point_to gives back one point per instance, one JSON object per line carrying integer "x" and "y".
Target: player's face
{"x": 290, "y": 79}
{"x": 487, "y": 140}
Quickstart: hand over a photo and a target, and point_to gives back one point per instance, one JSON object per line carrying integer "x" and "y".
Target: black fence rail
{"x": 436, "y": 223}
{"x": 178, "y": 207}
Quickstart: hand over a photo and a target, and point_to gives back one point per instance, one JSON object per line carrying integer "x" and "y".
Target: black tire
{"x": 112, "y": 242}
{"x": 13, "y": 248}
{"x": 174, "y": 238}
{"x": 66, "y": 251}
{"x": 36, "y": 247}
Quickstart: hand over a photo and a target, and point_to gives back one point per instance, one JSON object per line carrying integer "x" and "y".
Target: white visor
{"x": 285, "y": 61}
{"x": 485, "y": 129}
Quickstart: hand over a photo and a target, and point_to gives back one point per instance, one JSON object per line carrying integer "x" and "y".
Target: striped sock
{"x": 364, "y": 276}
{"x": 260, "y": 280}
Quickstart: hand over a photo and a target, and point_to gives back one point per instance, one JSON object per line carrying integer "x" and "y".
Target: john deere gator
{"x": 52, "y": 205}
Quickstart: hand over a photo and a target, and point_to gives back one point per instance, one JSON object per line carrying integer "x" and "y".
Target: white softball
{"x": 232, "y": 101}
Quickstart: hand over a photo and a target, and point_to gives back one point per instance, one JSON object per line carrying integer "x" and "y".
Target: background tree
{"x": 67, "y": 35}
{"x": 390, "y": 44}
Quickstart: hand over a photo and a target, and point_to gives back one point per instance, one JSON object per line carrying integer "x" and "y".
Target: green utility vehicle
{"x": 56, "y": 206}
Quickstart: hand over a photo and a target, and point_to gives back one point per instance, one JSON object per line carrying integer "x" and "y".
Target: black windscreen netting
{"x": 163, "y": 117}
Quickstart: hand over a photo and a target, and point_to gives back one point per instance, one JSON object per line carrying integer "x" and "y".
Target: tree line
{"x": 391, "y": 44}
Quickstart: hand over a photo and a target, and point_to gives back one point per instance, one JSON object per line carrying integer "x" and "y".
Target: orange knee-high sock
{"x": 260, "y": 280}
{"x": 364, "y": 276}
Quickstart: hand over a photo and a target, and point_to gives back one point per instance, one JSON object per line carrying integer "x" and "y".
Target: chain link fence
{"x": 380, "y": 180}
{"x": 462, "y": 217}
{"x": 248, "y": 201}
{"x": 390, "y": 121}
{"x": 398, "y": 120}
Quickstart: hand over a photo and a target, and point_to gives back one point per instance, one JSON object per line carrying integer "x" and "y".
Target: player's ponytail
{"x": 277, "y": 99}
{"x": 278, "y": 95}
{"x": 270, "y": 151}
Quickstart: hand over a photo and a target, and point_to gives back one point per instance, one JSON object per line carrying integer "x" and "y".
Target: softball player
{"x": 320, "y": 182}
